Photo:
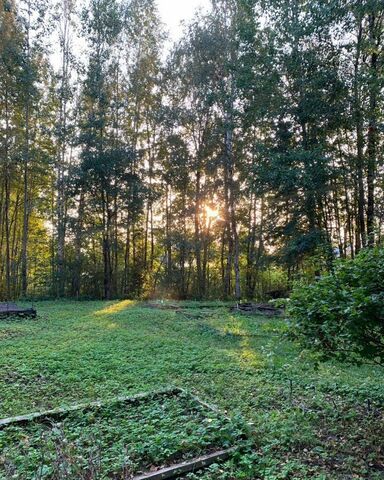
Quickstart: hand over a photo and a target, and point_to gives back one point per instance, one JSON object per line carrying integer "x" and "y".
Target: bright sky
{"x": 174, "y": 11}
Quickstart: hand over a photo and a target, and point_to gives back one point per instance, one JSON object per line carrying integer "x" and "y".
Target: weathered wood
{"x": 160, "y": 306}
{"x": 12, "y": 310}
{"x": 187, "y": 467}
{"x": 7, "y": 306}
{"x": 60, "y": 412}
{"x": 215, "y": 409}
{"x": 208, "y": 406}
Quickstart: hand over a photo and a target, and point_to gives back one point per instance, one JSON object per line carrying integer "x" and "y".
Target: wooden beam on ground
{"x": 187, "y": 467}
{"x": 12, "y": 310}
{"x": 60, "y": 412}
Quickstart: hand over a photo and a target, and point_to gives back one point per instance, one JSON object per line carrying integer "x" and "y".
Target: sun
{"x": 211, "y": 213}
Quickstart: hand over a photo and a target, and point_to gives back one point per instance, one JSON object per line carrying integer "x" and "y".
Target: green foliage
{"x": 267, "y": 112}
{"x": 116, "y": 438}
{"x": 307, "y": 420}
{"x": 342, "y": 314}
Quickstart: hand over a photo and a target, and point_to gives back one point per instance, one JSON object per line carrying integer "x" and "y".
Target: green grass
{"x": 309, "y": 420}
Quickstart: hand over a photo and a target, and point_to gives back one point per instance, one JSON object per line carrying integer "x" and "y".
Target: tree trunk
{"x": 360, "y": 225}
{"x": 24, "y": 247}
{"x": 372, "y": 132}
{"x": 6, "y": 206}
{"x": 76, "y": 282}
{"x": 197, "y": 235}
{"x": 61, "y": 209}
{"x": 127, "y": 258}
{"x": 168, "y": 237}
{"x": 232, "y": 208}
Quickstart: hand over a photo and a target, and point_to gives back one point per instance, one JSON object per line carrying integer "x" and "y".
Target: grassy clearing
{"x": 310, "y": 420}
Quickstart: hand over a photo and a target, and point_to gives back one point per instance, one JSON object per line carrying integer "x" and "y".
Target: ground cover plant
{"x": 120, "y": 439}
{"x": 307, "y": 419}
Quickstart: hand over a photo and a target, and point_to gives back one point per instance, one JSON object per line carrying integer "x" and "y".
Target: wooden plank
{"x": 5, "y": 307}
{"x": 178, "y": 307}
{"x": 257, "y": 309}
{"x": 214, "y": 409}
{"x": 187, "y": 467}
{"x": 59, "y": 412}
{"x": 206, "y": 405}
{"x": 11, "y": 309}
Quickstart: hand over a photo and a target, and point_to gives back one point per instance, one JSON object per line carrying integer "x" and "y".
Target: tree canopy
{"x": 243, "y": 157}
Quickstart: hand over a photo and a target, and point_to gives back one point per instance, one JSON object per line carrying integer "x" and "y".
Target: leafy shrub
{"x": 342, "y": 314}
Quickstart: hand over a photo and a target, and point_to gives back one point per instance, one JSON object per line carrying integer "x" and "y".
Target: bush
{"x": 342, "y": 314}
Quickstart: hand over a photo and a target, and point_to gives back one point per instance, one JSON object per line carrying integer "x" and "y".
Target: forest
{"x": 229, "y": 164}
{"x": 191, "y": 240}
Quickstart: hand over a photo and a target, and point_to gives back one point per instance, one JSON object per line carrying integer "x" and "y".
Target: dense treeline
{"x": 247, "y": 155}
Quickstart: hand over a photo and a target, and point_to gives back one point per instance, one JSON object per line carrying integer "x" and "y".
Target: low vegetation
{"x": 306, "y": 419}
{"x": 342, "y": 314}
{"x": 120, "y": 439}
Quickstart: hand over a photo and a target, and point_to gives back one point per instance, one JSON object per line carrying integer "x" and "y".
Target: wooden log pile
{"x": 12, "y": 310}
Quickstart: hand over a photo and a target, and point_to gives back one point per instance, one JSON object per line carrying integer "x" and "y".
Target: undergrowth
{"x": 307, "y": 419}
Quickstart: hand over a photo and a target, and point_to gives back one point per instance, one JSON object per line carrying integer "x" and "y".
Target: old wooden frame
{"x": 195, "y": 464}
{"x": 60, "y": 412}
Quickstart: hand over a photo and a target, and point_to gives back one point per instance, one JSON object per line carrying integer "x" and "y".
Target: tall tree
{"x": 65, "y": 19}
